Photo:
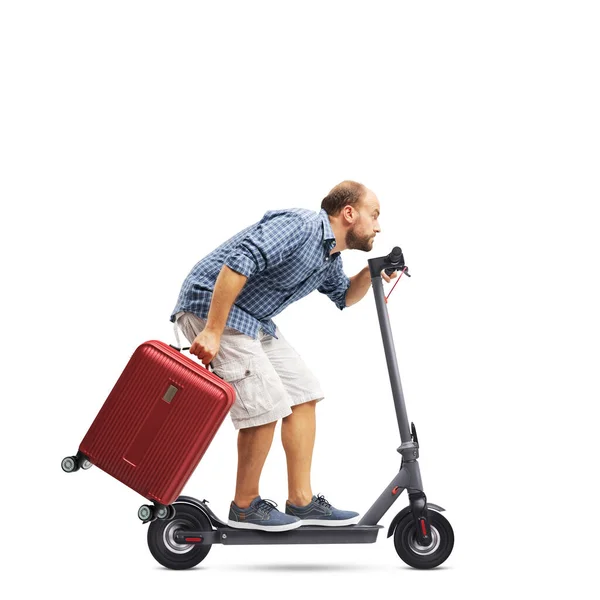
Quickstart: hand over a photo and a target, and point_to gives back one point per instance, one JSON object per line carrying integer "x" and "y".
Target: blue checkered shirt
{"x": 286, "y": 256}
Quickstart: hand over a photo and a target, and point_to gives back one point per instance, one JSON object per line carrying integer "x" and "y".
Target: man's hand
{"x": 387, "y": 277}
{"x": 206, "y": 346}
{"x": 360, "y": 283}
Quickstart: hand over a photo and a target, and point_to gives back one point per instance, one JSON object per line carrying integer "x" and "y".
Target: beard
{"x": 357, "y": 242}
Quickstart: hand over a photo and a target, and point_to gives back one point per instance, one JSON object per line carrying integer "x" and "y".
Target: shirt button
{"x": 247, "y": 373}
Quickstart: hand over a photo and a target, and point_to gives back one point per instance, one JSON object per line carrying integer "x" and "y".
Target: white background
{"x": 137, "y": 136}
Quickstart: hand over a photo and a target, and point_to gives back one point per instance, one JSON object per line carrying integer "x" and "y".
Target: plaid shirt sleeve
{"x": 267, "y": 244}
{"x": 336, "y": 285}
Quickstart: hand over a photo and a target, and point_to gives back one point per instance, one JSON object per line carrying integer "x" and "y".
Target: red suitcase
{"x": 157, "y": 422}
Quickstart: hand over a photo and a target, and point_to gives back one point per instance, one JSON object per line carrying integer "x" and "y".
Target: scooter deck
{"x": 307, "y": 534}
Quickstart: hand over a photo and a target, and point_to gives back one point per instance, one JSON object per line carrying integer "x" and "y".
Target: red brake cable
{"x": 402, "y": 273}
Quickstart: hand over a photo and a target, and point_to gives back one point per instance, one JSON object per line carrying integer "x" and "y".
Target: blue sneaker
{"x": 261, "y": 514}
{"x": 320, "y": 512}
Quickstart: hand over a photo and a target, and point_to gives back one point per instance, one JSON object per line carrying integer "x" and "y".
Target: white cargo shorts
{"x": 268, "y": 375}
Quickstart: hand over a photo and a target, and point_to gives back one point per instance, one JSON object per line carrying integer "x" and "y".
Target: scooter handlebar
{"x": 394, "y": 261}
{"x": 396, "y": 258}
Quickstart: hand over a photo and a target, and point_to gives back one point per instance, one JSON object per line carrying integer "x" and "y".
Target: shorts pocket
{"x": 252, "y": 397}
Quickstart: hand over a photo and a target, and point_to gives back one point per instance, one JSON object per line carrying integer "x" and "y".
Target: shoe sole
{"x": 238, "y": 525}
{"x": 331, "y": 522}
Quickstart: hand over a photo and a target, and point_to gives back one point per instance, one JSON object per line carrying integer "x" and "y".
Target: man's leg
{"x": 260, "y": 401}
{"x": 298, "y": 437}
{"x": 254, "y": 444}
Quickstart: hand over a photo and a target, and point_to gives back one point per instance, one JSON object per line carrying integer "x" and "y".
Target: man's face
{"x": 362, "y": 232}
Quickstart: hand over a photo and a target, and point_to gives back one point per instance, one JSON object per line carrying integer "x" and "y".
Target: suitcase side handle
{"x": 209, "y": 367}
{"x": 180, "y": 349}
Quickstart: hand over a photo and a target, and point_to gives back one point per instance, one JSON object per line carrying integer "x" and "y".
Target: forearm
{"x": 359, "y": 286}
{"x": 228, "y": 286}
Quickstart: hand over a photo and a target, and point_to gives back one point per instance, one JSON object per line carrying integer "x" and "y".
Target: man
{"x": 225, "y": 309}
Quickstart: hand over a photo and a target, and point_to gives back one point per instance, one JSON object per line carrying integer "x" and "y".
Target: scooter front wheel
{"x": 424, "y": 557}
{"x": 161, "y": 538}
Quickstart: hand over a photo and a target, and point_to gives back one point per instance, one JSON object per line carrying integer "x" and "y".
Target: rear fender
{"x": 201, "y": 504}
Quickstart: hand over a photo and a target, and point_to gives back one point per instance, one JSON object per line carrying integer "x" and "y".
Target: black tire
{"x": 422, "y": 557}
{"x": 163, "y": 547}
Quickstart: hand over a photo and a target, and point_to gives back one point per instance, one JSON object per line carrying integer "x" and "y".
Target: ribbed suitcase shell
{"x": 158, "y": 421}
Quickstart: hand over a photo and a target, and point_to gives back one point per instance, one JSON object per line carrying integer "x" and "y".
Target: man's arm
{"x": 228, "y": 286}
{"x": 360, "y": 284}
{"x": 266, "y": 244}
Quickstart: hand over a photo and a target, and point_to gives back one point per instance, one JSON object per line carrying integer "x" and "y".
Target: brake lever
{"x": 389, "y": 271}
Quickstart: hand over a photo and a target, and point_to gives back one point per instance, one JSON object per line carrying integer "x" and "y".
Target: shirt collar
{"x": 328, "y": 237}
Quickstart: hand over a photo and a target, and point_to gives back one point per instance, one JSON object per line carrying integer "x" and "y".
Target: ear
{"x": 348, "y": 214}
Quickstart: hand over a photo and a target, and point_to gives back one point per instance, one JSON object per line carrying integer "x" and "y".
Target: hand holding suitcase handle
{"x": 194, "y": 346}
{"x": 187, "y": 348}
{"x": 206, "y": 346}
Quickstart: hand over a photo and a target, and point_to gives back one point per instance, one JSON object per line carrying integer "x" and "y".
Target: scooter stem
{"x": 390, "y": 354}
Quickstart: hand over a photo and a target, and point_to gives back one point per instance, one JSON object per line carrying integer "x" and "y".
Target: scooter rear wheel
{"x": 166, "y": 550}
{"x": 424, "y": 557}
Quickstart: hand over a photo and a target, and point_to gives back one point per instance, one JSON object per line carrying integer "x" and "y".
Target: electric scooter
{"x": 181, "y": 535}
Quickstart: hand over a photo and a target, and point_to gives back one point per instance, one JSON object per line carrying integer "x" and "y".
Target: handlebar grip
{"x": 395, "y": 256}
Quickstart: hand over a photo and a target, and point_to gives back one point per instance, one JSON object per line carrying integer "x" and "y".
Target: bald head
{"x": 345, "y": 193}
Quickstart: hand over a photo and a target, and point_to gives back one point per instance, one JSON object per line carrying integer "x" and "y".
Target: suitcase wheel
{"x": 69, "y": 464}
{"x": 162, "y": 512}
{"x": 148, "y": 513}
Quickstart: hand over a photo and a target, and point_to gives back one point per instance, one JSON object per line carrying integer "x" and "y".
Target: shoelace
{"x": 266, "y": 504}
{"x": 321, "y": 500}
